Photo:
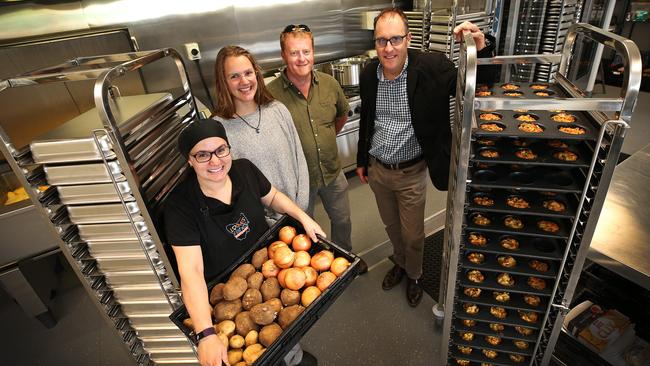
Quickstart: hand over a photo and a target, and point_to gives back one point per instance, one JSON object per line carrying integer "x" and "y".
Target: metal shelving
{"x": 563, "y": 250}
{"x": 109, "y": 170}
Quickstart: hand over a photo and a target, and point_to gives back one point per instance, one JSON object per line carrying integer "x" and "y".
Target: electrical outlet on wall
{"x": 192, "y": 51}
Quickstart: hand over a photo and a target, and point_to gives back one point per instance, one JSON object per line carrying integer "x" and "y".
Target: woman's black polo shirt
{"x": 224, "y": 232}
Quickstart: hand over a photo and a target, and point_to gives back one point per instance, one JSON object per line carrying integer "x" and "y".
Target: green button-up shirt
{"x": 315, "y": 118}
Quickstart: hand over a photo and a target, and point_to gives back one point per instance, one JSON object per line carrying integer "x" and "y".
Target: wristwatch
{"x": 204, "y": 333}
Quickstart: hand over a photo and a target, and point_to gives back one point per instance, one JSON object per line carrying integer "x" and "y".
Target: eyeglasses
{"x": 394, "y": 41}
{"x": 296, "y": 28}
{"x": 205, "y": 156}
{"x": 248, "y": 74}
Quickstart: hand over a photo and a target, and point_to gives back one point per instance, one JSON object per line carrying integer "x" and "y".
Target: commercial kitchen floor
{"x": 365, "y": 326}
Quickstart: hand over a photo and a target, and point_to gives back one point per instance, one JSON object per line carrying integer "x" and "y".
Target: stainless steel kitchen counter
{"x": 621, "y": 242}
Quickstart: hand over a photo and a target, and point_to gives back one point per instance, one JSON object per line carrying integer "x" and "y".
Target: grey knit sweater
{"x": 275, "y": 150}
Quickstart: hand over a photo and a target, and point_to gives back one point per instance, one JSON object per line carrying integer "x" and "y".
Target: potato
{"x": 224, "y": 340}
{"x": 244, "y": 323}
{"x": 255, "y": 280}
{"x": 240, "y": 363}
{"x": 216, "y": 294}
{"x": 226, "y": 327}
{"x": 237, "y": 341}
{"x": 269, "y": 334}
{"x": 263, "y": 314}
{"x": 288, "y": 315}
{"x": 289, "y": 297}
{"x": 275, "y": 303}
{"x": 251, "y": 338}
{"x": 226, "y": 310}
{"x": 234, "y": 356}
{"x": 270, "y": 288}
{"x": 252, "y": 353}
{"x": 251, "y": 298}
{"x": 234, "y": 288}
{"x": 260, "y": 257}
{"x": 243, "y": 271}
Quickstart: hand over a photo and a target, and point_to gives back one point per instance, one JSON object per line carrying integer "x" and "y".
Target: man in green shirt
{"x": 319, "y": 111}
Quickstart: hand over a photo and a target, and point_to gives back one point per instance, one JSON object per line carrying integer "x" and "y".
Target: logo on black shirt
{"x": 239, "y": 229}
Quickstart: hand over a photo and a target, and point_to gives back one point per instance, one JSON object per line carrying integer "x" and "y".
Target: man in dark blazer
{"x": 404, "y": 131}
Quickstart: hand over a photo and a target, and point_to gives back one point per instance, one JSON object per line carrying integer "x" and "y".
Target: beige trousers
{"x": 400, "y": 196}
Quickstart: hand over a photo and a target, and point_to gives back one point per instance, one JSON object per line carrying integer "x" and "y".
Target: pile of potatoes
{"x": 262, "y": 298}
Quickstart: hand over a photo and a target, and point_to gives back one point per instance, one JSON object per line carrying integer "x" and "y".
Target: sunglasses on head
{"x": 296, "y": 28}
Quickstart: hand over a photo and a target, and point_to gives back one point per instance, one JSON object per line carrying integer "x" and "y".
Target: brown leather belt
{"x": 401, "y": 164}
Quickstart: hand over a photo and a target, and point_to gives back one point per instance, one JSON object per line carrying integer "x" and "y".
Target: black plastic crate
{"x": 290, "y": 336}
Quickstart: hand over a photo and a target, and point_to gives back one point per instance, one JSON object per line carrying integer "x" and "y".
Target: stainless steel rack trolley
{"x": 107, "y": 172}
{"x": 531, "y": 165}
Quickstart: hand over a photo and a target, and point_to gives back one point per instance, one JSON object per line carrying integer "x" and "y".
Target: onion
{"x": 283, "y": 256}
{"x": 310, "y": 276}
{"x": 295, "y": 279}
{"x": 286, "y": 234}
{"x": 301, "y": 242}
{"x": 302, "y": 259}
{"x": 324, "y": 280}
{"x": 275, "y": 245}
{"x": 339, "y": 265}
{"x": 269, "y": 269}
{"x": 322, "y": 260}
{"x": 281, "y": 275}
{"x": 310, "y": 294}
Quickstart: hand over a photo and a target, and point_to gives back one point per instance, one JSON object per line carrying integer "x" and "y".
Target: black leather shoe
{"x": 393, "y": 277}
{"x": 363, "y": 267}
{"x": 308, "y": 359}
{"x": 413, "y": 292}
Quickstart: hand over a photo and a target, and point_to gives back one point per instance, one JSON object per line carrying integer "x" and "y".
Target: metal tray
{"x": 545, "y": 154}
{"x": 158, "y": 330}
{"x": 130, "y": 307}
{"x": 150, "y": 145}
{"x": 490, "y": 283}
{"x": 505, "y": 346}
{"x": 73, "y": 141}
{"x": 94, "y": 193}
{"x": 140, "y": 292}
{"x": 510, "y": 126}
{"x": 516, "y": 301}
{"x": 107, "y": 213}
{"x": 478, "y": 358}
{"x": 151, "y": 319}
{"x": 522, "y": 268}
{"x": 535, "y": 199}
{"x": 84, "y": 173}
{"x": 111, "y": 232}
{"x": 100, "y": 247}
{"x": 530, "y": 225}
{"x": 512, "y": 318}
{"x": 483, "y": 328}
{"x": 540, "y": 248}
{"x": 118, "y": 278}
{"x": 548, "y": 179}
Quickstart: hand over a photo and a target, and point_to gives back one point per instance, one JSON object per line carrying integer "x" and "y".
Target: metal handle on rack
{"x": 625, "y": 47}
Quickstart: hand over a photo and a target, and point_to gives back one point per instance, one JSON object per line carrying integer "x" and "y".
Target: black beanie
{"x": 197, "y": 131}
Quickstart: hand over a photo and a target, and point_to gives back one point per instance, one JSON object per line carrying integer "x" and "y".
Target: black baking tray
{"x": 530, "y": 225}
{"x": 545, "y": 154}
{"x": 516, "y": 300}
{"x": 535, "y": 199}
{"x": 540, "y": 248}
{"x": 550, "y": 179}
{"x": 290, "y": 336}
{"x": 550, "y": 128}
{"x": 490, "y": 283}
{"x": 483, "y": 328}
{"x": 484, "y": 315}
{"x": 478, "y": 358}
{"x": 480, "y": 343}
{"x": 522, "y": 268}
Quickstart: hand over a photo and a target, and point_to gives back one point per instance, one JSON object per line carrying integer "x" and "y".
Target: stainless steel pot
{"x": 347, "y": 71}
